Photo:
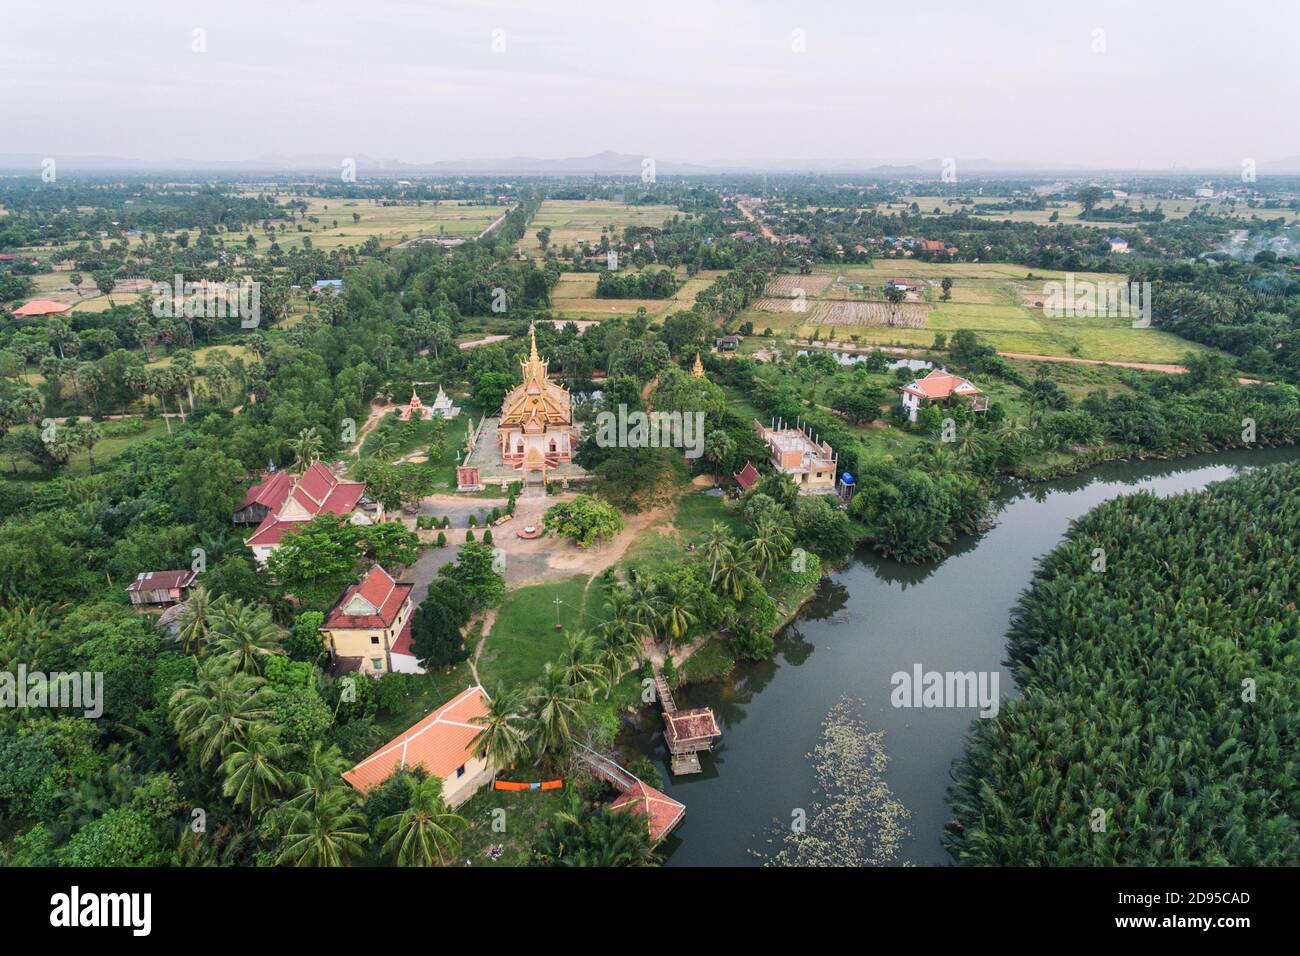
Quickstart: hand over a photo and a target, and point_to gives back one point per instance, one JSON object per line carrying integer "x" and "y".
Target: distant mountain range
{"x": 607, "y": 163}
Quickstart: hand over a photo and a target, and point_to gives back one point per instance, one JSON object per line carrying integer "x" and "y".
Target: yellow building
{"x": 368, "y": 629}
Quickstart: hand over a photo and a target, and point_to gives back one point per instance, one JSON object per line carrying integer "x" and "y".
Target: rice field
{"x": 574, "y": 297}
{"x": 1002, "y": 302}
{"x": 574, "y": 220}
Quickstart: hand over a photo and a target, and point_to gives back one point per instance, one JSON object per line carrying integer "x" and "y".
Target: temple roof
{"x": 536, "y": 398}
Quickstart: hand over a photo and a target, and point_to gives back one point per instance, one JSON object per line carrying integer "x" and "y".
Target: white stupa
{"x": 443, "y": 407}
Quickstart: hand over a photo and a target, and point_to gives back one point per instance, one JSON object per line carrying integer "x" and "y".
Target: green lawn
{"x": 527, "y": 813}
{"x": 524, "y": 639}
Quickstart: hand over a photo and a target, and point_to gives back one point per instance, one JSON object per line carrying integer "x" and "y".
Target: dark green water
{"x": 868, "y": 621}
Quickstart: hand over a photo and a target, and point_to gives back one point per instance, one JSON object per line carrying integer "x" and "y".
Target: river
{"x": 871, "y": 619}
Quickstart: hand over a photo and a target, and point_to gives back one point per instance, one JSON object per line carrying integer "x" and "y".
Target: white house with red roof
{"x": 318, "y": 491}
{"x": 442, "y": 744}
{"x": 941, "y": 386}
{"x": 370, "y": 624}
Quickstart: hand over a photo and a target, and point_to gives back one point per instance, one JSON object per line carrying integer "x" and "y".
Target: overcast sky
{"x": 1178, "y": 83}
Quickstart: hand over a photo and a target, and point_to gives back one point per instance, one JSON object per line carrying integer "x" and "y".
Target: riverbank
{"x": 867, "y": 620}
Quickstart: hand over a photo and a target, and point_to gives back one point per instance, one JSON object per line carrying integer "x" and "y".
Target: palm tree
{"x": 252, "y": 768}
{"x": 734, "y": 575}
{"x": 216, "y": 710}
{"x": 678, "y": 614}
{"x": 644, "y": 604}
{"x": 504, "y": 737}
{"x": 718, "y": 447}
{"x": 971, "y": 445}
{"x": 87, "y": 434}
{"x": 577, "y": 662}
{"x": 385, "y": 448}
{"x": 617, "y": 648}
{"x": 306, "y": 449}
{"x": 424, "y": 834}
{"x": 717, "y": 542}
{"x": 330, "y": 833}
{"x": 557, "y": 707}
{"x": 244, "y": 636}
{"x": 771, "y": 542}
{"x": 321, "y": 778}
{"x": 1013, "y": 432}
{"x": 195, "y": 621}
{"x": 598, "y": 838}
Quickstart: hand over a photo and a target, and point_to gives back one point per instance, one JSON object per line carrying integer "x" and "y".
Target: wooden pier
{"x": 661, "y": 811}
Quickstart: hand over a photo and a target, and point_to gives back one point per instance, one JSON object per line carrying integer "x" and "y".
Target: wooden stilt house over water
{"x": 687, "y": 732}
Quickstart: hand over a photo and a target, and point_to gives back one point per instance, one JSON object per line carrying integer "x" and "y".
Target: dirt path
{"x": 762, "y": 227}
{"x": 377, "y": 413}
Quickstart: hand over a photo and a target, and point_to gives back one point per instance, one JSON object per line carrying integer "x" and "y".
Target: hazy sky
{"x": 1180, "y": 82}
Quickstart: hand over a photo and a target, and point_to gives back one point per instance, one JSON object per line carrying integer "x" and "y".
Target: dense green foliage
{"x": 1159, "y": 689}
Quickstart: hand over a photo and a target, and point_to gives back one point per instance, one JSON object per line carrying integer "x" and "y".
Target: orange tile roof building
{"x": 941, "y": 386}
{"x": 366, "y": 626}
{"x": 441, "y": 743}
{"x": 38, "y": 307}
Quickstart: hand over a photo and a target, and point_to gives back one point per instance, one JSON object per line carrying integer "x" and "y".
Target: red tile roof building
{"x": 318, "y": 491}
{"x": 747, "y": 477}
{"x": 441, "y": 743}
{"x": 264, "y": 498}
{"x": 368, "y": 621}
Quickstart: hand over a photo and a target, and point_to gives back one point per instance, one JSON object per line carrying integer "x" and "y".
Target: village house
{"x": 318, "y": 491}
{"x": 39, "y": 307}
{"x": 1118, "y": 244}
{"x": 794, "y": 452}
{"x": 369, "y": 626}
{"x": 941, "y": 386}
{"x": 160, "y": 587}
{"x": 728, "y": 343}
{"x": 442, "y": 744}
{"x": 263, "y": 498}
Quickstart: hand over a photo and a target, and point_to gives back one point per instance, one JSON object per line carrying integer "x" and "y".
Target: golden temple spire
{"x": 697, "y": 370}
{"x": 534, "y": 367}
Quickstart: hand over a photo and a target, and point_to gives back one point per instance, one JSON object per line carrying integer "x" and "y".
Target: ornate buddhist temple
{"x": 536, "y": 429}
